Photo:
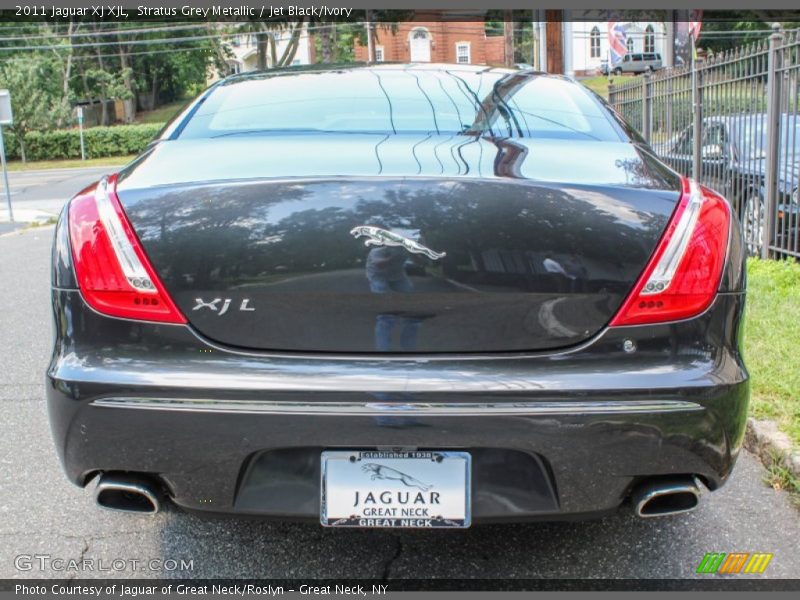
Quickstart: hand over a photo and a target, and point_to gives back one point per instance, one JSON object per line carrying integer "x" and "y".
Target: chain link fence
{"x": 744, "y": 104}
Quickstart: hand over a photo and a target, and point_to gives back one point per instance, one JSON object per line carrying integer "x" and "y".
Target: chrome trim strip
{"x": 428, "y": 409}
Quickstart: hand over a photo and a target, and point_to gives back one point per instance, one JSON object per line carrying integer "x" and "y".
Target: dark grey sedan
{"x": 734, "y": 159}
{"x": 398, "y": 296}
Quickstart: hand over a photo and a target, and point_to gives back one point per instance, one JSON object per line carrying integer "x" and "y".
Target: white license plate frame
{"x": 415, "y": 489}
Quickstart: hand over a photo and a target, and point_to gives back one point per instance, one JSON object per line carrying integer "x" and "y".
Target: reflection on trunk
{"x": 477, "y": 254}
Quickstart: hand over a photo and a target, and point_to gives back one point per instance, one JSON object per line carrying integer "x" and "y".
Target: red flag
{"x": 617, "y": 41}
{"x": 696, "y": 23}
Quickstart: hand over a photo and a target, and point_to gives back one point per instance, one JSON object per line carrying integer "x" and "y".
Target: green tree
{"x": 335, "y": 42}
{"x": 523, "y": 31}
{"x": 732, "y": 29}
{"x": 162, "y": 77}
{"x": 37, "y": 96}
{"x": 267, "y": 35}
{"x": 107, "y": 85}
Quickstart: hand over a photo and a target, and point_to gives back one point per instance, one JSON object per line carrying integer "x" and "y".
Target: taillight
{"x": 683, "y": 275}
{"x": 113, "y": 272}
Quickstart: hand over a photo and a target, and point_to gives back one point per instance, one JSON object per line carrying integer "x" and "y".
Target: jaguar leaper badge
{"x": 381, "y": 237}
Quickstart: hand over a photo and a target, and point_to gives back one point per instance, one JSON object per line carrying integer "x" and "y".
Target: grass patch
{"x": 772, "y": 333}
{"x": 70, "y": 163}
{"x": 45, "y": 223}
{"x": 599, "y": 84}
{"x": 162, "y": 114}
{"x": 779, "y": 477}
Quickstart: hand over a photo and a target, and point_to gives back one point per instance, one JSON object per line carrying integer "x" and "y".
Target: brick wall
{"x": 443, "y": 38}
{"x": 495, "y": 50}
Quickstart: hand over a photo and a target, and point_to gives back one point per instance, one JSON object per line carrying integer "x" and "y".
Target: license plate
{"x": 416, "y": 489}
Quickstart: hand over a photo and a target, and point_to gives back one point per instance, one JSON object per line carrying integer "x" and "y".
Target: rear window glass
{"x": 400, "y": 101}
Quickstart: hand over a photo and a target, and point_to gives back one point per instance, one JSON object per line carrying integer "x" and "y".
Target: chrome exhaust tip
{"x": 127, "y": 493}
{"x": 663, "y": 497}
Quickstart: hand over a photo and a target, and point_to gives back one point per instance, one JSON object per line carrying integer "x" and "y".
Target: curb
{"x": 27, "y": 216}
{"x": 763, "y": 439}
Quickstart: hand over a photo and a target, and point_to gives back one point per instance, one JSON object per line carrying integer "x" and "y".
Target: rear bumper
{"x": 552, "y": 436}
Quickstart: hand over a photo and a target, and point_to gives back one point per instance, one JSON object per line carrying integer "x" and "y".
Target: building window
{"x": 462, "y": 53}
{"x": 594, "y": 42}
{"x": 649, "y": 39}
{"x": 379, "y": 54}
{"x": 629, "y": 44}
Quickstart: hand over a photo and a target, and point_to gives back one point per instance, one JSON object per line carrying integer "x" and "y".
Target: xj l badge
{"x": 382, "y": 237}
{"x": 214, "y": 305}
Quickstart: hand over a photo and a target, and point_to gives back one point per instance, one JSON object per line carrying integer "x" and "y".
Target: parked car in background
{"x": 638, "y": 62}
{"x": 398, "y": 296}
{"x": 733, "y": 159}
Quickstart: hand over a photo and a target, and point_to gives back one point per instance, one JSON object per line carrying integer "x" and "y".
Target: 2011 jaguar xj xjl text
{"x": 398, "y": 296}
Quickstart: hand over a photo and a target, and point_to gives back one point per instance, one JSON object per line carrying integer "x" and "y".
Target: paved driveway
{"x": 46, "y": 190}
{"x": 40, "y": 513}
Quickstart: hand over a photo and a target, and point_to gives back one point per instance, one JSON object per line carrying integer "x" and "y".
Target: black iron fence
{"x": 745, "y": 105}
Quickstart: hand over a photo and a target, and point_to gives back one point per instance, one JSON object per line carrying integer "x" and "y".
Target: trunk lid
{"x": 360, "y": 245}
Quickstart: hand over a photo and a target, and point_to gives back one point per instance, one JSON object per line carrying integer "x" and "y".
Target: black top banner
{"x": 447, "y": 10}
{"x": 262, "y": 9}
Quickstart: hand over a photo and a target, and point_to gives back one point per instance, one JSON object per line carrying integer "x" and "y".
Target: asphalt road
{"x": 42, "y": 514}
{"x": 44, "y": 191}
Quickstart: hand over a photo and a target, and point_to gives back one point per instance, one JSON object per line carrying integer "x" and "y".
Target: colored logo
{"x": 734, "y": 563}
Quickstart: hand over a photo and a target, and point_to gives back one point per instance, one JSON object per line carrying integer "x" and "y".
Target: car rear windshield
{"x": 398, "y": 101}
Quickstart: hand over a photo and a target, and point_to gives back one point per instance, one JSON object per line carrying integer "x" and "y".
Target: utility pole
{"x": 542, "y": 40}
{"x": 569, "y": 67}
{"x": 669, "y": 42}
{"x": 6, "y": 118}
{"x": 508, "y": 37}
{"x": 261, "y": 49}
{"x": 80, "y": 127}
{"x": 370, "y": 46}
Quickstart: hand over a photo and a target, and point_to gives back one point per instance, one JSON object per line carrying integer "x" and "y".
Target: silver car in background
{"x": 639, "y": 62}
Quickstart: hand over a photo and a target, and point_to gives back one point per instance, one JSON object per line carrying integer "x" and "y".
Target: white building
{"x": 581, "y": 47}
{"x": 590, "y": 43}
{"x": 244, "y": 50}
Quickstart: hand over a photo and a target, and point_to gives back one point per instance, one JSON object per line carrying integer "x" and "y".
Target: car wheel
{"x": 617, "y": 71}
{"x": 754, "y": 214}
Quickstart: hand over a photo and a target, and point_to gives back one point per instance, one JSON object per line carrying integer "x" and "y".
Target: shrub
{"x": 99, "y": 141}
